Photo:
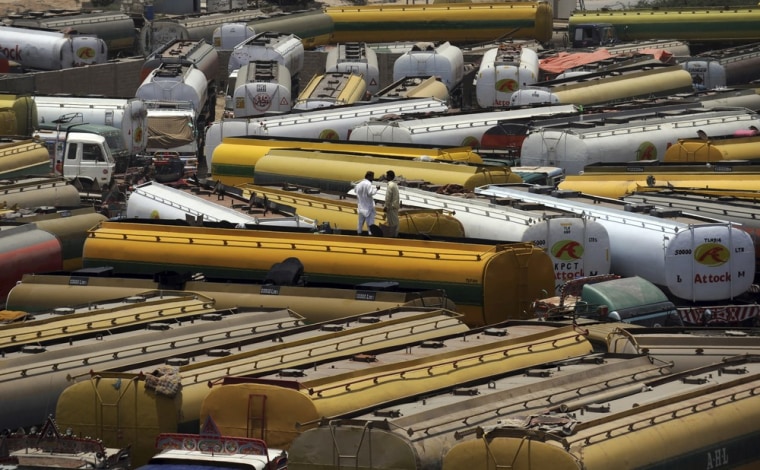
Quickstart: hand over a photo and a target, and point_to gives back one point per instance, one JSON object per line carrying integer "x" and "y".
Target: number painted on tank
{"x": 683, "y": 252}
{"x": 717, "y": 458}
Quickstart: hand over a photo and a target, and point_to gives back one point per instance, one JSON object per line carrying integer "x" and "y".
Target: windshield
{"x": 115, "y": 142}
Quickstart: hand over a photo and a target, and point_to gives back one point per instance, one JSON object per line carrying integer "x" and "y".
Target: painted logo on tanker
{"x": 507, "y": 85}
{"x": 470, "y": 141}
{"x": 329, "y": 134}
{"x": 567, "y": 250}
{"x": 646, "y": 151}
{"x": 86, "y": 53}
{"x": 711, "y": 254}
{"x": 262, "y": 102}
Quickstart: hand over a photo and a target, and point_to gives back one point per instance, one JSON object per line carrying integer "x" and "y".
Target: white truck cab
{"x": 85, "y": 158}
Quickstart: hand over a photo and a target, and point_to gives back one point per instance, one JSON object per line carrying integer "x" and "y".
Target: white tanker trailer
{"x": 36, "y": 49}
{"x": 445, "y": 61}
{"x": 582, "y": 143}
{"x": 261, "y": 87}
{"x": 451, "y": 130}
{"x": 501, "y": 74}
{"x": 695, "y": 258}
{"x": 326, "y": 124}
{"x": 286, "y": 49}
{"x": 356, "y": 58}
{"x": 163, "y": 31}
{"x": 129, "y": 115}
{"x": 153, "y": 200}
{"x": 577, "y": 245}
{"x": 229, "y": 35}
{"x": 175, "y": 83}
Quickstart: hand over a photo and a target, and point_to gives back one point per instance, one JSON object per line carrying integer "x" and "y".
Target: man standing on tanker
{"x": 365, "y": 202}
{"x": 392, "y": 204}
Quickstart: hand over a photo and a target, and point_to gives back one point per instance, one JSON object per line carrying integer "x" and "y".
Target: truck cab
{"x": 86, "y": 160}
{"x": 50, "y": 134}
{"x": 593, "y": 35}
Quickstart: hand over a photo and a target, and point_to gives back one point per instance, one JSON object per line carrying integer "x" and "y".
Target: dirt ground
{"x": 19, "y": 6}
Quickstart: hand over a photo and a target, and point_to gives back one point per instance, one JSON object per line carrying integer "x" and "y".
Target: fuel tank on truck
{"x": 177, "y": 83}
{"x": 462, "y": 23}
{"x": 574, "y": 146}
{"x": 336, "y": 172}
{"x": 36, "y": 49}
{"x": 266, "y": 343}
{"x": 234, "y": 160}
{"x": 283, "y": 405}
{"x": 425, "y": 59}
{"x": 262, "y": 87}
{"x": 23, "y": 159}
{"x": 501, "y": 73}
{"x": 229, "y": 35}
{"x": 695, "y": 421}
{"x": 18, "y": 115}
{"x": 285, "y": 49}
{"x": 357, "y": 58}
{"x": 325, "y": 124}
{"x": 578, "y": 245}
{"x": 417, "y": 434}
{"x": 693, "y": 257}
{"x": 32, "y": 193}
{"x": 184, "y": 52}
{"x": 488, "y": 283}
{"x": 26, "y": 249}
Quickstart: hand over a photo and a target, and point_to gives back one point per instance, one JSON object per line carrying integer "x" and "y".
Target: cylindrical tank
{"x": 707, "y": 261}
{"x": 452, "y": 130}
{"x": 356, "y": 58}
{"x": 115, "y": 28}
{"x": 130, "y": 115}
{"x": 185, "y": 52}
{"x": 460, "y": 23}
{"x": 173, "y": 82}
{"x": 50, "y": 50}
{"x": 285, "y": 49}
{"x": 415, "y": 87}
{"x": 424, "y": 59}
{"x": 706, "y": 74}
{"x": 336, "y": 172}
{"x": 234, "y": 160}
{"x": 573, "y": 147}
{"x": 578, "y": 246}
{"x": 611, "y": 87}
{"x": 21, "y": 117}
{"x": 502, "y": 73}
{"x": 326, "y": 124}
{"x": 487, "y": 282}
{"x": 262, "y": 87}
{"x": 698, "y": 150}
{"x": 289, "y": 406}
{"x": 331, "y": 90}
{"x": 33, "y": 192}
{"x": 313, "y": 27}
{"x": 22, "y": 159}
{"x": 26, "y": 249}
{"x": 707, "y": 25}
{"x": 229, "y": 35}
{"x": 70, "y": 228}
{"x": 142, "y": 413}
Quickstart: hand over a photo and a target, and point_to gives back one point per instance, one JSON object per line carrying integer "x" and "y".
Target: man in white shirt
{"x": 392, "y": 204}
{"x": 365, "y": 202}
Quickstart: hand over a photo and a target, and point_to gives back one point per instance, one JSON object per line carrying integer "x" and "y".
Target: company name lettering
{"x": 712, "y": 278}
{"x": 13, "y": 53}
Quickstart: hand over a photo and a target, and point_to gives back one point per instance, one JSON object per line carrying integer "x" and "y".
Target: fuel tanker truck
{"x": 489, "y": 283}
{"x": 18, "y": 115}
{"x": 693, "y": 257}
{"x": 36, "y": 49}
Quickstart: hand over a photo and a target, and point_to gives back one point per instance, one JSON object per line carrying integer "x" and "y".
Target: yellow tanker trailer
{"x": 714, "y": 150}
{"x": 489, "y": 283}
{"x": 278, "y": 407}
{"x": 459, "y": 23}
{"x": 233, "y": 161}
{"x": 332, "y": 171}
{"x": 123, "y": 405}
{"x": 342, "y": 214}
{"x": 706, "y": 418}
{"x": 23, "y": 158}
